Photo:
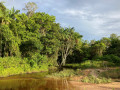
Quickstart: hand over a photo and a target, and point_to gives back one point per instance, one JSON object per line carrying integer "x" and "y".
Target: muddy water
{"x": 34, "y": 81}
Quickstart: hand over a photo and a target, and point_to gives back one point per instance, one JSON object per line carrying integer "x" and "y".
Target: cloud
{"x": 102, "y": 16}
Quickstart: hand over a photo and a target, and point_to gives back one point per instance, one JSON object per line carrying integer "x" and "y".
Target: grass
{"x": 78, "y": 70}
{"x": 91, "y": 64}
{"x": 70, "y": 73}
{"x": 63, "y": 74}
{"x": 113, "y": 73}
{"x": 96, "y": 80}
{"x": 88, "y": 75}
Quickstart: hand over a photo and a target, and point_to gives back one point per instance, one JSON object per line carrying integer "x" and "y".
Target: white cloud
{"x": 73, "y": 12}
{"x": 101, "y": 24}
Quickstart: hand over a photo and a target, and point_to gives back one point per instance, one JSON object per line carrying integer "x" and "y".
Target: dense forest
{"x": 33, "y": 41}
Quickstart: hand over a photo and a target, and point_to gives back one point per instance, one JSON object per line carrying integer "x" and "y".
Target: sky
{"x": 93, "y": 19}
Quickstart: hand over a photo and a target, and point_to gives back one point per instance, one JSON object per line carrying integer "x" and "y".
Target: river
{"x": 34, "y": 81}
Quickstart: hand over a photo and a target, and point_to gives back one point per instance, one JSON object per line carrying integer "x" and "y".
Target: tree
{"x": 13, "y": 12}
{"x": 9, "y": 42}
{"x": 97, "y": 49}
{"x": 30, "y": 39}
{"x": 41, "y": 23}
{"x": 113, "y": 36}
{"x": 2, "y": 9}
{"x": 76, "y": 55}
{"x": 85, "y": 50}
{"x": 106, "y": 41}
{"x": 4, "y": 19}
{"x": 68, "y": 41}
{"x": 92, "y": 42}
{"x": 4, "y": 12}
{"x": 30, "y": 7}
{"x": 115, "y": 45}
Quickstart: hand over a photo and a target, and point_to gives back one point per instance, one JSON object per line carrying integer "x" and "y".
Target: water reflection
{"x": 35, "y": 81}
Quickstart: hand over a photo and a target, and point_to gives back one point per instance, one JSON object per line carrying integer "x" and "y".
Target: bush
{"x": 95, "y": 64}
{"x": 111, "y": 58}
{"x": 93, "y": 79}
{"x": 38, "y": 59}
{"x": 64, "y": 73}
{"x": 91, "y": 64}
{"x": 13, "y": 65}
{"x": 113, "y": 73}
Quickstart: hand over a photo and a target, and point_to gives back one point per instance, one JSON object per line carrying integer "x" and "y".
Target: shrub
{"x": 93, "y": 79}
{"x": 91, "y": 64}
{"x": 95, "y": 64}
{"x": 111, "y": 58}
{"x": 64, "y": 73}
{"x": 13, "y": 65}
{"x": 114, "y": 73}
{"x": 38, "y": 59}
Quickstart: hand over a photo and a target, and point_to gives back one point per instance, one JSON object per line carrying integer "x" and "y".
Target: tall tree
{"x": 30, "y": 7}
{"x": 68, "y": 41}
{"x": 4, "y": 19}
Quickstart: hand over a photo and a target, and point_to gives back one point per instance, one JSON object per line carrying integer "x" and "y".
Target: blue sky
{"x": 93, "y": 19}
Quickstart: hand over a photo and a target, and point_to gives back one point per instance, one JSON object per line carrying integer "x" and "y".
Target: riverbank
{"x": 21, "y": 72}
{"x": 40, "y": 81}
{"x": 96, "y": 76}
{"x": 89, "y": 86}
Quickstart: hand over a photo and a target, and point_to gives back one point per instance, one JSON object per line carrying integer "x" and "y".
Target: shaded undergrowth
{"x": 111, "y": 73}
{"x": 90, "y": 64}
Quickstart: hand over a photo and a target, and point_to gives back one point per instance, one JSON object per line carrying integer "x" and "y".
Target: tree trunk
{"x": 64, "y": 56}
{"x": 63, "y": 61}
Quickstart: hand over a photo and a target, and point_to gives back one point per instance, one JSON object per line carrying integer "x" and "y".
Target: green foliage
{"x": 76, "y": 55}
{"x": 13, "y": 65}
{"x": 37, "y": 37}
{"x": 111, "y": 58}
{"x": 39, "y": 59}
{"x": 68, "y": 41}
{"x": 2, "y": 11}
{"x": 97, "y": 49}
{"x": 91, "y": 64}
{"x": 93, "y": 79}
{"x": 9, "y": 42}
{"x": 112, "y": 73}
{"x": 64, "y": 73}
{"x": 115, "y": 45}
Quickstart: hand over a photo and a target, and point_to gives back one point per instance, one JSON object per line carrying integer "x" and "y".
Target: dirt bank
{"x": 88, "y": 86}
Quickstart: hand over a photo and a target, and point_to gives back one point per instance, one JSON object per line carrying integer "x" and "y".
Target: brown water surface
{"x": 34, "y": 81}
